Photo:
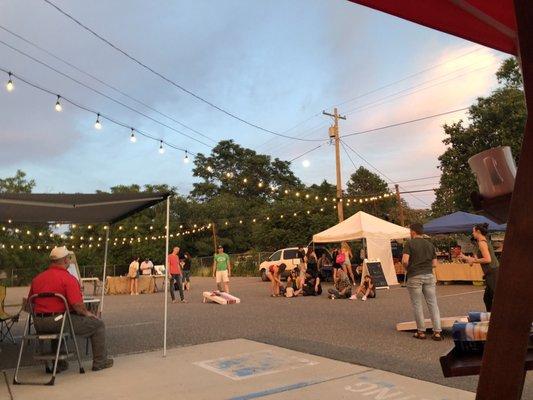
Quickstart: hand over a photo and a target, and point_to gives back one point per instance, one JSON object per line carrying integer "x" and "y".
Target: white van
{"x": 289, "y": 257}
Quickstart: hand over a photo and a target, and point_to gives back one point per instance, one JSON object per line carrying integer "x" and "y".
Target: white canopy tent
{"x": 378, "y": 234}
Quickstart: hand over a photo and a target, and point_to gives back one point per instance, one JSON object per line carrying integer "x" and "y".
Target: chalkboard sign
{"x": 375, "y": 270}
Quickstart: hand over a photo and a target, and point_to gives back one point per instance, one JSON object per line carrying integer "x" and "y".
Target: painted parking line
{"x": 258, "y": 363}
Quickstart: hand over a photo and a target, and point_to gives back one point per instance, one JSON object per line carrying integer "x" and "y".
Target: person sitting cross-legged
{"x": 294, "y": 284}
{"x": 367, "y": 289}
{"x": 342, "y": 288}
{"x": 56, "y": 279}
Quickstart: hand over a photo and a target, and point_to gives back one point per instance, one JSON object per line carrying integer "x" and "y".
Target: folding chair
{"x": 6, "y": 320}
{"x": 42, "y": 338}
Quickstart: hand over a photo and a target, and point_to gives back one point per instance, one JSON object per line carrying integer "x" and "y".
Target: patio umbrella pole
{"x": 166, "y": 279}
{"x": 105, "y": 268}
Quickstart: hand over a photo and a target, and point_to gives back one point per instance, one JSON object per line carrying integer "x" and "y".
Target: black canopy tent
{"x": 84, "y": 209}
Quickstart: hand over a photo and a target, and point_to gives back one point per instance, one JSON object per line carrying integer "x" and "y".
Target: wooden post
{"x": 334, "y": 134}
{"x": 214, "y": 237}
{"x": 502, "y": 371}
{"x": 400, "y": 205}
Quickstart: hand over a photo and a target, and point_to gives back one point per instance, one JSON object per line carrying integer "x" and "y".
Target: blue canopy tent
{"x": 459, "y": 222}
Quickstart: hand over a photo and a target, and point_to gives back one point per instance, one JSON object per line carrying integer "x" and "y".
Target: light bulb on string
{"x": 186, "y": 158}
{"x": 209, "y": 169}
{"x": 58, "y": 107}
{"x": 161, "y": 148}
{"x": 9, "y": 85}
{"x": 133, "y": 138}
{"x": 98, "y": 124}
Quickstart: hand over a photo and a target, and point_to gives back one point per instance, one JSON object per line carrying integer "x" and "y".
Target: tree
{"x": 496, "y": 120}
{"x": 17, "y": 184}
{"x": 232, "y": 169}
{"x": 363, "y": 184}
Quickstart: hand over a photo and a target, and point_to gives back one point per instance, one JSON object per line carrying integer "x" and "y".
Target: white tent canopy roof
{"x": 361, "y": 225}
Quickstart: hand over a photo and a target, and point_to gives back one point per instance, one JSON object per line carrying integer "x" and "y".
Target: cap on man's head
{"x": 220, "y": 247}
{"x": 58, "y": 253}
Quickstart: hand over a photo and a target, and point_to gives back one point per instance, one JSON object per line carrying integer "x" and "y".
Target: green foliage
{"x": 496, "y": 120}
{"x": 17, "y": 184}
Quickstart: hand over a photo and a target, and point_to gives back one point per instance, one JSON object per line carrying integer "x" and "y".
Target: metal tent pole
{"x": 166, "y": 279}
{"x": 105, "y": 268}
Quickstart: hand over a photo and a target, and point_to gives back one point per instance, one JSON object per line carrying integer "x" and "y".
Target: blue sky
{"x": 275, "y": 63}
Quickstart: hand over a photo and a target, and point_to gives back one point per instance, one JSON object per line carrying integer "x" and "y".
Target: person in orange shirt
{"x": 175, "y": 275}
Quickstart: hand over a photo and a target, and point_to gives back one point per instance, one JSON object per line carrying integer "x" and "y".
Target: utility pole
{"x": 400, "y": 206}
{"x": 334, "y": 134}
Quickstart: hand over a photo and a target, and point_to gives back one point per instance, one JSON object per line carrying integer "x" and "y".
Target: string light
{"x": 161, "y": 148}
{"x": 58, "y": 106}
{"x": 133, "y": 139}
{"x": 245, "y": 180}
{"x": 209, "y": 169}
{"x": 9, "y": 85}
{"x": 186, "y": 159}
{"x": 98, "y": 124}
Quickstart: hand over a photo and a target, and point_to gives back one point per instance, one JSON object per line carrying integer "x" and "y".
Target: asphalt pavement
{"x": 352, "y": 331}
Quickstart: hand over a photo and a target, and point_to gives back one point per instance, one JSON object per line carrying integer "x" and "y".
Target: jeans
{"x": 176, "y": 280}
{"x": 491, "y": 277}
{"x": 419, "y": 287}
{"x": 83, "y": 326}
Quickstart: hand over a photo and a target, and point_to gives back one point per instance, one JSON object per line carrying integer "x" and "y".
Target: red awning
{"x": 491, "y": 23}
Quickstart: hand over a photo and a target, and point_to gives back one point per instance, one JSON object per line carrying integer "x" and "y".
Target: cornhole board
{"x": 220, "y": 298}
{"x": 446, "y": 323}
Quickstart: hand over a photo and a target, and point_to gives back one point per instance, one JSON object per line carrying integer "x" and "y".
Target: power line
{"x": 166, "y": 79}
{"x": 380, "y": 172}
{"x": 102, "y": 94}
{"x": 405, "y": 78}
{"x": 419, "y": 179}
{"x": 307, "y": 152}
{"x": 103, "y": 82}
{"x": 404, "y": 122}
{"x": 99, "y": 115}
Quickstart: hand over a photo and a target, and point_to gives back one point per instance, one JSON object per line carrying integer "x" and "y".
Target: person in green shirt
{"x": 222, "y": 268}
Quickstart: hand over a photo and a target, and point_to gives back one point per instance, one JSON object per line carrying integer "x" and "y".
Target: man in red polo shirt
{"x": 175, "y": 275}
{"x": 56, "y": 279}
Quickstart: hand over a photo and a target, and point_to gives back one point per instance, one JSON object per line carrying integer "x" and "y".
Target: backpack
{"x": 340, "y": 258}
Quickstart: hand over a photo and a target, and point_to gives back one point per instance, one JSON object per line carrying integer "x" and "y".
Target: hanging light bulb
{"x": 133, "y": 139}
{"x": 306, "y": 163}
{"x": 186, "y": 159}
{"x": 9, "y": 85}
{"x": 161, "y": 148}
{"x": 98, "y": 124}
{"x": 210, "y": 169}
{"x": 58, "y": 106}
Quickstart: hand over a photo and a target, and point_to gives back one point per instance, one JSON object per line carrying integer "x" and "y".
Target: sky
{"x": 275, "y": 63}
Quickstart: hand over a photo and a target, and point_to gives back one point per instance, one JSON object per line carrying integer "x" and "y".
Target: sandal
{"x": 437, "y": 336}
{"x": 419, "y": 335}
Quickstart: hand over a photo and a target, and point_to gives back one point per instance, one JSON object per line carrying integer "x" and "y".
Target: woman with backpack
{"x": 344, "y": 258}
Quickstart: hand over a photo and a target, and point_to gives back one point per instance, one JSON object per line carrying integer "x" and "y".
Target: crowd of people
{"x": 306, "y": 278}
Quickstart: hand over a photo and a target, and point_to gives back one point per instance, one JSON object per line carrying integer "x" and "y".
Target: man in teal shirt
{"x": 222, "y": 268}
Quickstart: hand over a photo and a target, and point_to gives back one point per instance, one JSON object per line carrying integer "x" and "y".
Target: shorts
{"x": 186, "y": 275}
{"x": 222, "y": 276}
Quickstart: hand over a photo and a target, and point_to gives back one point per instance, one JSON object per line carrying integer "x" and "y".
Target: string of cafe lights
{"x": 100, "y": 117}
{"x": 95, "y": 241}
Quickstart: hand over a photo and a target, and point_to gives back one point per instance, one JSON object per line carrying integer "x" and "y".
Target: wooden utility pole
{"x": 400, "y": 206}
{"x": 334, "y": 134}
{"x": 213, "y": 227}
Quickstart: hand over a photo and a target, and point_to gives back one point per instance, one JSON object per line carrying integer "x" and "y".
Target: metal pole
{"x": 105, "y": 268}
{"x": 166, "y": 279}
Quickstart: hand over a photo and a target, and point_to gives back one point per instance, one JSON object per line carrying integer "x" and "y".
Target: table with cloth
{"x": 458, "y": 272}
{"x": 121, "y": 284}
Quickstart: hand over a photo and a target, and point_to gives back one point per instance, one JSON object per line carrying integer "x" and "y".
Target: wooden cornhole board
{"x": 220, "y": 298}
{"x": 446, "y": 323}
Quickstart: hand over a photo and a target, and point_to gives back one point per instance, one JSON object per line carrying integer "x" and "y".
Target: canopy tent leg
{"x": 166, "y": 279}
{"x": 502, "y": 371}
{"x": 106, "y": 245}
